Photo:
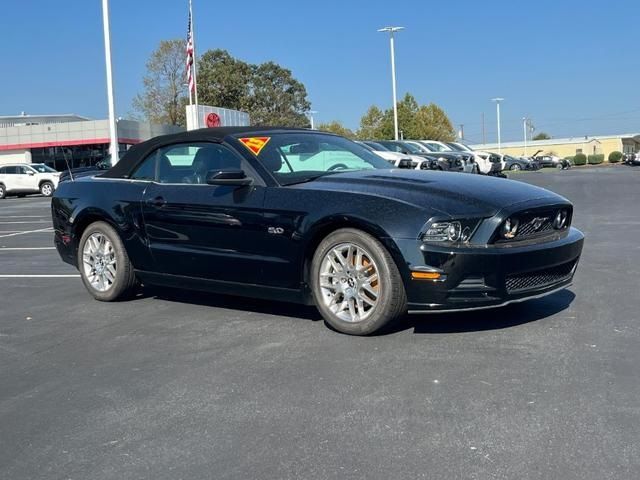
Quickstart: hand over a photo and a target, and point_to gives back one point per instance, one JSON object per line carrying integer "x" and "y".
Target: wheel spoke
{"x": 352, "y": 310}
{"x": 370, "y": 290}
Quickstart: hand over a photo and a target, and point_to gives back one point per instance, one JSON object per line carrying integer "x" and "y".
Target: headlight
{"x": 509, "y": 228}
{"x": 457, "y": 231}
{"x": 560, "y": 220}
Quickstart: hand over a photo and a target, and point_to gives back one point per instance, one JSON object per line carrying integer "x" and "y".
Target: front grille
{"x": 539, "y": 278}
{"x": 534, "y": 225}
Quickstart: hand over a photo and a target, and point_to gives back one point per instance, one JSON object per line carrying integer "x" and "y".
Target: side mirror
{"x": 228, "y": 177}
{"x": 30, "y": 173}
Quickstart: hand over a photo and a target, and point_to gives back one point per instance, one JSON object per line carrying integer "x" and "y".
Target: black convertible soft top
{"x": 130, "y": 159}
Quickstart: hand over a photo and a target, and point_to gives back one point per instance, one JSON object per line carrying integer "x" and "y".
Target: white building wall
{"x": 15, "y": 156}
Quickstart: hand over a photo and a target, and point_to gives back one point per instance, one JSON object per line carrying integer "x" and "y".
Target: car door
{"x": 11, "y": 178}
{"x": 199, "y": 230}
{"x": 27, "y": 178}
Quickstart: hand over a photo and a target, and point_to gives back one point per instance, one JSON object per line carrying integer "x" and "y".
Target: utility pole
{"x": 461, "y": 134}
{"x": 113, "y": 129}
{"x": 484, "y": 137}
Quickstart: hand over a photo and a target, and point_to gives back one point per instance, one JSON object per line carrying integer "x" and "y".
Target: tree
{"x": 277, "y": 98}
{"x": 430, "y": 122}
{"x": 542, "y": 136}
{"x": 414, "y": 122}
{"x": 164, "y": 96}
{"x": 371, "y": 124}
{"x": 407, "y": 110}
{"x": 337, "y": 128}
{"x": 224, "y": 81}
{"x": 268, "y": 92}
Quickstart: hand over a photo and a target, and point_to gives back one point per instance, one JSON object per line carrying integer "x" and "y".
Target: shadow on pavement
{"x": 193, "y": 297}
{"x": 435, "y": 323}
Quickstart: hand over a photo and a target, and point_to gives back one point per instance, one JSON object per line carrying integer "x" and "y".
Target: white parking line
{"x": 2, "y": 222}
{"x": 26, "y": 248}
{"x": 22, "y": 216}
{"x": 39, "y": 276}
{"x": 41, "y": 230}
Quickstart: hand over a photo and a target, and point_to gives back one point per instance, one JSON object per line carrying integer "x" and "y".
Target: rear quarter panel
{"x": 77, "y": 204}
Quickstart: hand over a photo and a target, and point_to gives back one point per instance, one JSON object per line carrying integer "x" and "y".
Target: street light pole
{"x": 498, "y": 100}
{"x": 391, "y": 31}
{"x": 113, "y": 132}
{"x": 311, "y": 113}
{"x": 525, "y": 121}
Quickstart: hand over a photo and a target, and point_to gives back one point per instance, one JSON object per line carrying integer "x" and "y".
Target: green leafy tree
{"x": 371, "y": 124}
{"x": 224, "y": 81}
{"x": 431, "y": 122}
{"x": 277, "y": 98}
{"x": 414, "y": 122}
{"x": 407, "y": 109}
{"x": 268, "y": 92}
{"x": 337, "y": 128}
{"x": 164, "y": 94}
{"x": 542, "y": 136}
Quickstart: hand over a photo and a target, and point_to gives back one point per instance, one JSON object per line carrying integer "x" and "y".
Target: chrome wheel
{"x": 46, "y": 189}
{"x": 99, "y": 262}
{"x": 515, "y": 166}
{"x": 349, "y": 282}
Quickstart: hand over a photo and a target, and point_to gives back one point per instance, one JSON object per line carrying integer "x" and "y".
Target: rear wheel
{"x": 356, "y": 284}
{"x": 3, "y": 192}
{"x": 515, "y": 167}
{"x": 46, "y": 189}
{"x": 104, "y": 265}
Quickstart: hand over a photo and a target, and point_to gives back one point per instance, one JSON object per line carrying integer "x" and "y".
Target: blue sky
{"x": 571, "y": 66}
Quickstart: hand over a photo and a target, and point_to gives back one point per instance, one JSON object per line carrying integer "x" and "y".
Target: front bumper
{"x": 476, "y": 277}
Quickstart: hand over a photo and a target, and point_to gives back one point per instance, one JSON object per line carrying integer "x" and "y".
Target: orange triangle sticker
{"x": 255, "y": 144}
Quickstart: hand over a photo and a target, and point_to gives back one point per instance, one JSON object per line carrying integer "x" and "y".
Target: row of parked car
{"x": 451, "y": 156}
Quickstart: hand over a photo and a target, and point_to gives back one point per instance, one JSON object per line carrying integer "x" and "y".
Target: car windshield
{"x": 301, "y": 157}
{"x": 436, "y": 147}
{"x": 459, "y": 147}
{"x": 41, "y": 168}
{"x": 411, "y": 148}
{"x": 377, "y": 147}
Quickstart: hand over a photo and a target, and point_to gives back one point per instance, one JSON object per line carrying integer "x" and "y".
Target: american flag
{"x": 190, "y": 76}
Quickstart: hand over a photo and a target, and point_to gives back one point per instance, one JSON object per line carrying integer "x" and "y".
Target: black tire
{"x": 3, "y": 192}
{"x": 125, "y": 282}
{"x": 46, "y": 189}
{"x": 515, "y": 167}
{"x": 391, "y": 304}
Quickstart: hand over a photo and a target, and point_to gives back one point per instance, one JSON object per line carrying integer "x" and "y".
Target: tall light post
{"x": 391, "y": 31}
{"x": 498, "y": 100}
{"x": 310, "y": 114}
{"x": 113, "y": 132}
{"x": 525, "y": 123}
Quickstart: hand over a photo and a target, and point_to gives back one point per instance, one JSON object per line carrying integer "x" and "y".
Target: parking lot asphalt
{"x": 187, "y": 385}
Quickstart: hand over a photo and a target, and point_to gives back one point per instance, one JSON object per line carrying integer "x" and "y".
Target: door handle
{"x": 157, "y": 202}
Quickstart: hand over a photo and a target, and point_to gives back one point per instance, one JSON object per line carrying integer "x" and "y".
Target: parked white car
{"x": 399, "y": 160}
{"x": 28, "y": 178}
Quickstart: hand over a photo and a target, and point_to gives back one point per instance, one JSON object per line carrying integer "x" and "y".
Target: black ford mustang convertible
{"x": 310, "y": 217}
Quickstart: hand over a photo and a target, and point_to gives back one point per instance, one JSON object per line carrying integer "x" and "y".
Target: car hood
{"x": 455, "y": 194}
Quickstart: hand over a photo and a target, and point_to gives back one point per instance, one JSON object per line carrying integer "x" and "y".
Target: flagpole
{"x": 195, "y": 77}
{"x": 113, "y": 129}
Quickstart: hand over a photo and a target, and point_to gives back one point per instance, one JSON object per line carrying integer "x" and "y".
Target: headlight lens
{"x": 509, "y": 228}
{"x": 456, "y": 231}
{"x": 560, "y": 220}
